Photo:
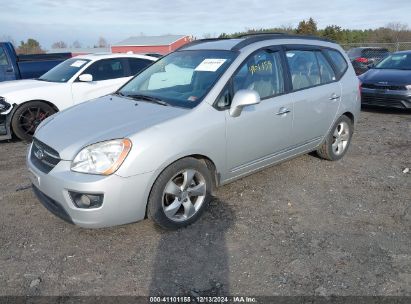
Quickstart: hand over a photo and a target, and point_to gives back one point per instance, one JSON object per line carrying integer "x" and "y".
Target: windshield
{"x": 64, "y": 71}
{"x": 182, "y": 78}
{"x": 396, "y": 62}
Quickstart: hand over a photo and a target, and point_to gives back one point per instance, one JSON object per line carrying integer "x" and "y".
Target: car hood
{"x": 105, "y": 118}
{"x": 386, "y": 76}
{"x": 13, "y": 86}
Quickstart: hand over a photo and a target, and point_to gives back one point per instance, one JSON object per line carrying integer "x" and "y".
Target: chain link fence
{"x": 366, "y": 55}
{"x": 391, "y": 47}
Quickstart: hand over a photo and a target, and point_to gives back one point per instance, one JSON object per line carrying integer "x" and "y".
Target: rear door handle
{"x": 334, "y": 97}
{"x": 9, "y": 70}
{"x": 282, "y": 111}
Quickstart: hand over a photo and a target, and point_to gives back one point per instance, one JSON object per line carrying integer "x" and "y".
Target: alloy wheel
{"x": 341, "y": 137}
{"x": 184, "y": 195}
{"x": 31, "y": 118}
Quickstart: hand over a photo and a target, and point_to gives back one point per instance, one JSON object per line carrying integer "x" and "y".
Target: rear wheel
{"x": 27, "y": 118}
{"x": 180, "y": 194}
{"x": 338, "y": 140}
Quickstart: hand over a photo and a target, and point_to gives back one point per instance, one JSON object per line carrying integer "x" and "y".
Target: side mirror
{"x": 241, "y": 99}
{"x": 86, "y": 78}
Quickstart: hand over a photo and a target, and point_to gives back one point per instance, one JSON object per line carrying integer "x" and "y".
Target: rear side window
{"x": 3, "y": 57}
{"x": 304, "y": 69}
{"x": 106, "y": 69}
{"x": 338, "y": 60}
{"x": 136, "y": 65}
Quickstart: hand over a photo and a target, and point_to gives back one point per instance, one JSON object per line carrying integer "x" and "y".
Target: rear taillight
{"x": 361, "y": 59}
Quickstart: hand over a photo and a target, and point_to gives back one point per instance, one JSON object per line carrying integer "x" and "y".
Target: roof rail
{"x": 259, "y": 33}
{"x": 248, "y": 39}
{"x": 198, "y": 41}
{"x": 266, "y": 36}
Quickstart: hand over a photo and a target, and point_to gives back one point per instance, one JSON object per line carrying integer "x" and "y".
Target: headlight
{"x": 408, "y": 87}
{"x": 102, "y": 158}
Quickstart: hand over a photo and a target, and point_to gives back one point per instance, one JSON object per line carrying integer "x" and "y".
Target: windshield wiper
{"x": 147, "y": 98}
{"x": 118, "y": 94}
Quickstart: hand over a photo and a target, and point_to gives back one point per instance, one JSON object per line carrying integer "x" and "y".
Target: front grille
{"x": 383, "y": 87}
{"x": 43, "y": 157}
{"x": 378, "y": 100}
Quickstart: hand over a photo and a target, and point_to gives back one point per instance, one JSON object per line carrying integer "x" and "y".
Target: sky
{"x": 86, "y": 20}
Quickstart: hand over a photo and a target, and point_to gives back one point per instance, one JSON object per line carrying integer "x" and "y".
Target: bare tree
{"x": 287, "y": 28}
{"x": 76, "y": 44}
{"x": 59, "y": 45}
{"x": 398, "y": 30}
{"x": 7, "y": 38}
{"x": 102, "y": 42}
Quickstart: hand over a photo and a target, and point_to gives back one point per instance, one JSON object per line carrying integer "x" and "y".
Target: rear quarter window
{"x": 338, "y": 60}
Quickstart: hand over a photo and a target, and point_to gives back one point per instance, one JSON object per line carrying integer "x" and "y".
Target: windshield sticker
{"x": 78, "y": 63}
{"x": 210, "y": 65}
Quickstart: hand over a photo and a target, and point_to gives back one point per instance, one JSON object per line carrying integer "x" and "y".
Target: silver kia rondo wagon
{"x": 211, "y": 112}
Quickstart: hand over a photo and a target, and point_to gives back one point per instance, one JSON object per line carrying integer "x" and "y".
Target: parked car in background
{"x": 362, "y": 58}
{"x": 388, "y": 84}
{"x": 14, "y": 67}
{"x": 203, "y": 116}
{"x": 25, "y": 103}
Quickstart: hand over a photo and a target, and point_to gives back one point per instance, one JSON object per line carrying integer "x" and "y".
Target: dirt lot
{"x": 306, "y": 226}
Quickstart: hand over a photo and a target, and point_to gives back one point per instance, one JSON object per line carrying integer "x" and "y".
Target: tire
{"x": 169, "y": 205}
{"x": 28, "y": 116}
{"x": 338, "y": 140}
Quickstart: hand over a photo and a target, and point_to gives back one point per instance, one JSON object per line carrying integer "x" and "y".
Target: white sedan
{"x": 25, "y": 103}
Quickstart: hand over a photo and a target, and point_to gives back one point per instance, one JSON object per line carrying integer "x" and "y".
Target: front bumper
{"x": 125, "y": 198}
{"x": 386, "y": 98}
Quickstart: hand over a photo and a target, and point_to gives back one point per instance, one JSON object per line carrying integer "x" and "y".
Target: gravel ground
{"x": 304, "y": 227}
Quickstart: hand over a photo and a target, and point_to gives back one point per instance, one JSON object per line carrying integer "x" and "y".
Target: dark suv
{"x": 362, "y": 58}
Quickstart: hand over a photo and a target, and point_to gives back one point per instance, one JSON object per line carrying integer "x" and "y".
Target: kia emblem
{"x": 39, "y": 154}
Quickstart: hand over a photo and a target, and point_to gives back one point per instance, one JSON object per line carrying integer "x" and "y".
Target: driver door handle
{"x": 334, "y": 96}
{"x": 283, "y": 111}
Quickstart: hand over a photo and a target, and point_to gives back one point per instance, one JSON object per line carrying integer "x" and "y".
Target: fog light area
{"x": 86, "y": 201}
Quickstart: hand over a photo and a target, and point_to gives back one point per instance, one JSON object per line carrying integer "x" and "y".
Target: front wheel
{"x": 27, "y": 118}
{"x": 338, "y": 140}
{"x": 180, "y": 194}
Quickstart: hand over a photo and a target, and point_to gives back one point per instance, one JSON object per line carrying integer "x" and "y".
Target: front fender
{"x": 202, "y": 132}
